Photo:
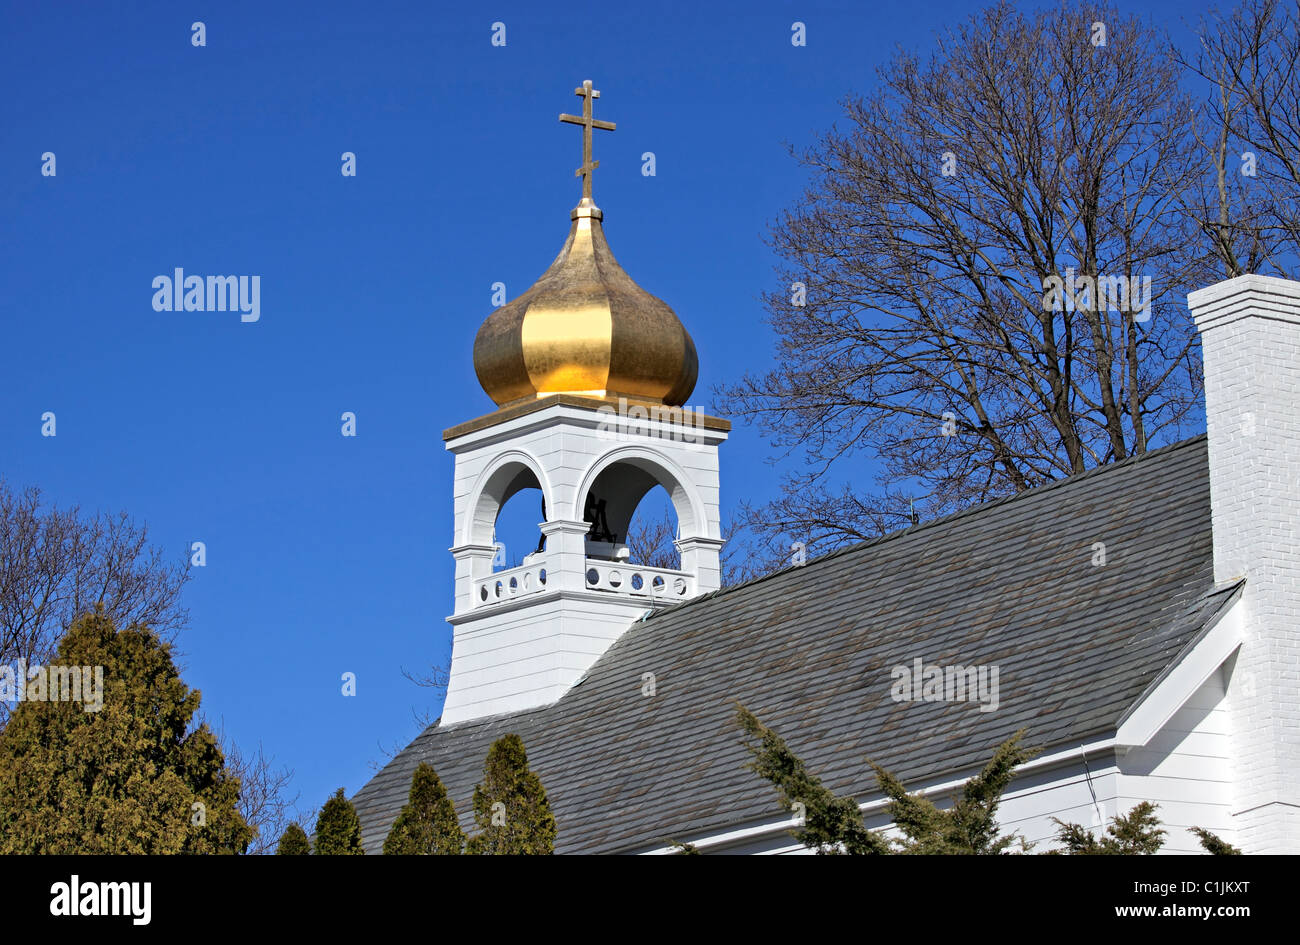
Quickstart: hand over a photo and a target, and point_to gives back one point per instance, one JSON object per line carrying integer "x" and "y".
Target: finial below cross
{"x": 588, "y": 123}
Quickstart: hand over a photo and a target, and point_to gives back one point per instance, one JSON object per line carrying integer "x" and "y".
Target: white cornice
{"x": 1245, "y": 297}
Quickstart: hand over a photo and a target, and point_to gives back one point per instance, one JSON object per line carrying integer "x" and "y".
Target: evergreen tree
{"x": 427, "y": 824}
{"x": 833, "y": 824}
{"x": 970, "y": 825}
{"x": 338, "y": 828}
{"x": 830, "y": 824}
{"x": 1137, "y": 832}
{"x": 293, "y": 842}
{"x": 134, "y": 775}
{"x": 1213, "y": 844}
{"x": 510, "y": 804}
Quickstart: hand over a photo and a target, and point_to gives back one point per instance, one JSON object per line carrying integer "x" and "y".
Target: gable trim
{"x": 1171, "y": 690}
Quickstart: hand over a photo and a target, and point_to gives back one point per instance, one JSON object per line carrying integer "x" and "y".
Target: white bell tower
{"x": 524, "y": 635}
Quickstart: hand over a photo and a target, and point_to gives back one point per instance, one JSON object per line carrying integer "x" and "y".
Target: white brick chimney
{"x": 1250, "y": 336}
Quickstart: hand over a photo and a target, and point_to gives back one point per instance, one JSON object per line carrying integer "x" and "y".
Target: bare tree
{"x": 986, "y": 276}
{"x": 650, "y": 543}
{"x": 264, "y": 800}
{"x": 1233, "y": 214}
{"x": 56, "y": 564}
{"x": 435, "y": 679}
{"x": 1249, "y": 59}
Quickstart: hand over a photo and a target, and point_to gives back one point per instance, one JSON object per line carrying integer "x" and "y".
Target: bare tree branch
{"x": 1021, "y": 155}
{"x": 56, "y": 564}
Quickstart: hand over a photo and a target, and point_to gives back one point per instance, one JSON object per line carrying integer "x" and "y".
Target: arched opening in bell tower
{"x": 653, "y": 530}
{"x": 638, "y": 504}
{"x": 507, "y": 509}
{"x": 515, "y": 533}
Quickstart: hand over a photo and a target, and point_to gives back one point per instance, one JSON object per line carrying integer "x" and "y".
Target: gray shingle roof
{"x": 810, "y": 650}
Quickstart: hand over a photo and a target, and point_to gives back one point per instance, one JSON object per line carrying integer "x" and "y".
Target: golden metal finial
{"x": 588, "y": 123}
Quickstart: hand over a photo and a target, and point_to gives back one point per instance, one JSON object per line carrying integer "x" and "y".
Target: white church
{"x": 1165, "y": 669}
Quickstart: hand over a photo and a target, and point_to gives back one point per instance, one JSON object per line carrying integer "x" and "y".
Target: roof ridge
{"x": 969, "y": 511}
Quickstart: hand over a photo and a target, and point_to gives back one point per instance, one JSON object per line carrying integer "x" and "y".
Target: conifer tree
{"x": 970, "y": 825}
{"x": 134, "y": 775}
{"x": 1137, "y": 832}
{"x": 338, "y": 828}
{"x": 427, "y": 824}
{"x": 1213, "y": 844}
{"x": 833, "y": 824}
{"x": 510, "y": 805}
{"x": 293, "y": 842}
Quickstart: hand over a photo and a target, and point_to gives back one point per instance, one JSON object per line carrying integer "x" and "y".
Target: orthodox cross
{"x": 588, "y": 123}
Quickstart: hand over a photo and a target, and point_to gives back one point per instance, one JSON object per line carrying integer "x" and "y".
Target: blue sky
{"x": 328, "y": 554}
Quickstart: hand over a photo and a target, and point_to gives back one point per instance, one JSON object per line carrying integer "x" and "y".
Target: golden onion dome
{"x": 585, "y": 328}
